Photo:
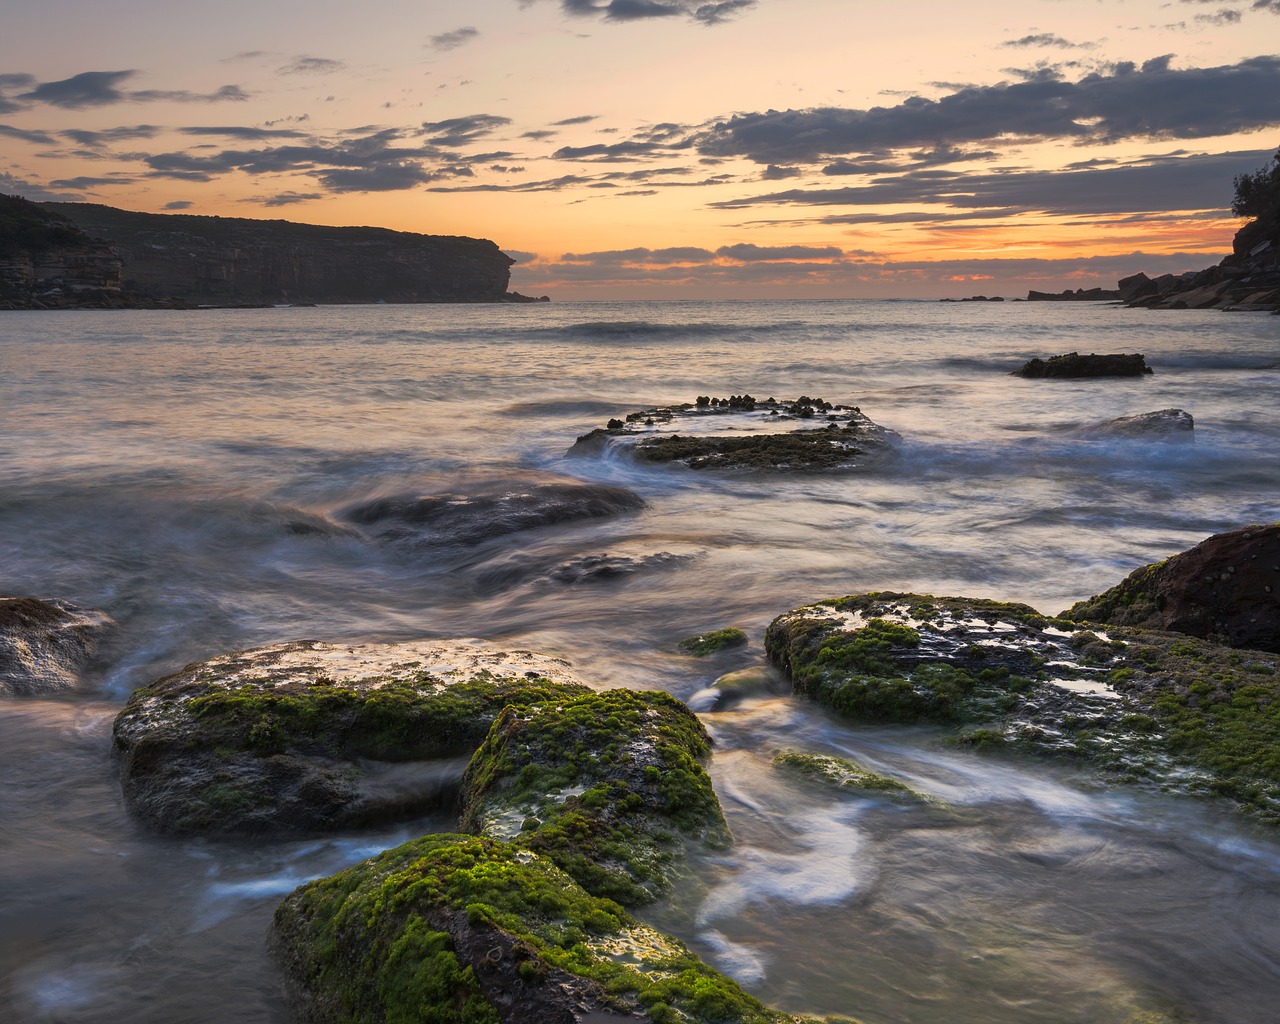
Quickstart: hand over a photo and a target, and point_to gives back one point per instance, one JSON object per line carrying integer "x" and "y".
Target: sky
{"x": 673, "y": 148}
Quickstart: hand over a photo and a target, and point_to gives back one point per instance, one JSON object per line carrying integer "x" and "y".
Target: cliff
{"x": 237, "y": 261}
{"x": 45, "y": 260}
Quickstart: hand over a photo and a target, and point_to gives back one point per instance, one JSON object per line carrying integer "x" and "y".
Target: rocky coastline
{"x": 87, "y": 256}
{"x": 577, "y": 804}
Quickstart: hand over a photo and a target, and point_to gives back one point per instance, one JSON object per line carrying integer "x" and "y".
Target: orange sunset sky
{"x": 672, "y": 148}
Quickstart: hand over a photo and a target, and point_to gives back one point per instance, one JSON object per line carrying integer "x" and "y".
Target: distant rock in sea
{"x": 44, "y": 645}
{"x": 1079, "y": 295}
{"x": 1161, "y": 425}
{"x": 1073, "y": 364}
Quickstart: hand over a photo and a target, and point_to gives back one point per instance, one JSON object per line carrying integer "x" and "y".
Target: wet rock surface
{"x": 1171, "y": 425}
{"x": 45, "y": 645}
{"x": 1226, "y": 588}
{"x": 1136, "y": 704}
{"x": 466, "y": 519}
{"x": 1075, "y": 365}
{"x": 696, "y": 435}
{"x": 577, "y": 809}
{"x": 309, "y": 737}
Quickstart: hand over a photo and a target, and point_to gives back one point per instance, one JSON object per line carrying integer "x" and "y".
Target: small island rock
{"x": 1074, "y": 365}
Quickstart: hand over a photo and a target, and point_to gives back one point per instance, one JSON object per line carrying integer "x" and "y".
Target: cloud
{"x": 102, "y": 88}
{"x": 12, "y": 186}
{"x": 87, "y": 89}
{"x": 1267, "y": 5}
{"x": 291, "y": 198}
{"x": 1165, "y": 183}
{"x": 178, "y": 204}
{"x": 640, "y": 10}
{"x": 241, "y": 132}
{"x": 747, "y": 253}
{"x": 461, "y": 131}
{"x": 87, "y": 182}
{"x": 382, "y": 177}
{"x": 8, "y": 83}
{"x": 1047, "y": 39}
{"x": 311, "y": 66}
{"x": 452, "y": 40}
{"x": 1151, "y": 102}
{"x": 1224, "y": 16}
{"x": 718, "y": 14}
{"x": 586, "y": 118}
{"x": 104, "y": 136}
{"x": 40, "y": 138}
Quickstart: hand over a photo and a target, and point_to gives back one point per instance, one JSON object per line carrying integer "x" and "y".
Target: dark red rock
{"x": 1225, "y": 589}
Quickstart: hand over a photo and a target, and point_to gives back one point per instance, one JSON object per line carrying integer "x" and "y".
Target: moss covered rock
{"x": 846, "y": 439}
{"x": 844, "y": 774}
{"x": 714, "y": 640}
{"x": 45, "y": 645}
{"x": 1186, "y": 714}
{"x": 466, "y": 930}
{"x": 307, "y": 736}
{"x": 1226, "y": 588}
{"x": 609, "y": 786}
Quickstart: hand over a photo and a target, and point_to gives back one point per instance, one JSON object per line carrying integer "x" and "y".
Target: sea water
{"x": 188, "y": 473}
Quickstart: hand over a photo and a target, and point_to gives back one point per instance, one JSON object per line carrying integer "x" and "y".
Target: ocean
{"x": 190, "y": 473}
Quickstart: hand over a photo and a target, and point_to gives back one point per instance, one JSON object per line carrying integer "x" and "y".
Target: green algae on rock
{"x": 846, "y": 440}
{"x": 714, "y": 640}
{"x": 842, "y": 773}
{"x": 609, "y": 786}
{"x": 469, "y": 930}
{"x": 305, "y": 736}
{"x": 1137, "y": 704}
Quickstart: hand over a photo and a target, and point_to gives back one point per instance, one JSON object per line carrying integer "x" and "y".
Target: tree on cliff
{"x": 1258, "y": 194}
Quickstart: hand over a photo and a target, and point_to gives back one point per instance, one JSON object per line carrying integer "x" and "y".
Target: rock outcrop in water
{"x": 1136, "y": 703}
{"x": 464, "y": 519}
{"x": 1164, "y": 425}
{"x": 847, "y": 440}
{"x": 45, "y": 645}
{"x": 1074, "y": 365}
{"x": 1226, "y": 589}
{"x": 577, "y": 808}
{"x": 308, "y": 737}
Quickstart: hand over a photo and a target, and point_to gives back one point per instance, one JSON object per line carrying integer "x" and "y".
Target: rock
{"x": 1079, "y": 295}
{"x": 45, "y": 645}
{"x": 307, "y": 737}
{"x": 1072, "y": 364}
{"x": 465, "y": 930}
{"x": 715, "y": 640}
{"x": 1135, "y": 287}
{"x": 610, "y": 786}
{"x": 582, "y": 807}
{"x": 241, "y": 261}
{"x": 1161, "y": 425}
{"x": 845, "y": 775}
{"x": 1226, "y": 589}
{"x": 847, "y": 440}
{"x": 599, "y": 568}
{"x": 1136, "y": 704}
{"x": 466, "y": 519}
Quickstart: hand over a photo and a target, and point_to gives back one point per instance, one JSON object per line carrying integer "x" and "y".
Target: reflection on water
{"x": 188, "y": 474}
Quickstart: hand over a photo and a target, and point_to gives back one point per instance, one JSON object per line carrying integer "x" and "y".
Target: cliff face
{"x": 46, "y": 261}
{"x": 230, "y": 260}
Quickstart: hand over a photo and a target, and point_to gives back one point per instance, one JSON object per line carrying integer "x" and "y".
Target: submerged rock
{"x": 845, "y": 775}
{"x": 45, "y": 645}
{"x": 715, "y": 640}
{"x": 1073, "y": 364}
{"x": 305, "y": 737}
{"x": 846, "y": 440}
{"x": 472, "y": 518}
{"x": 1172, "y": 425}
{"x": 1226, "y": 588}
{"x": 1186, "y": 714}
{"x": 596, "y": 568}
